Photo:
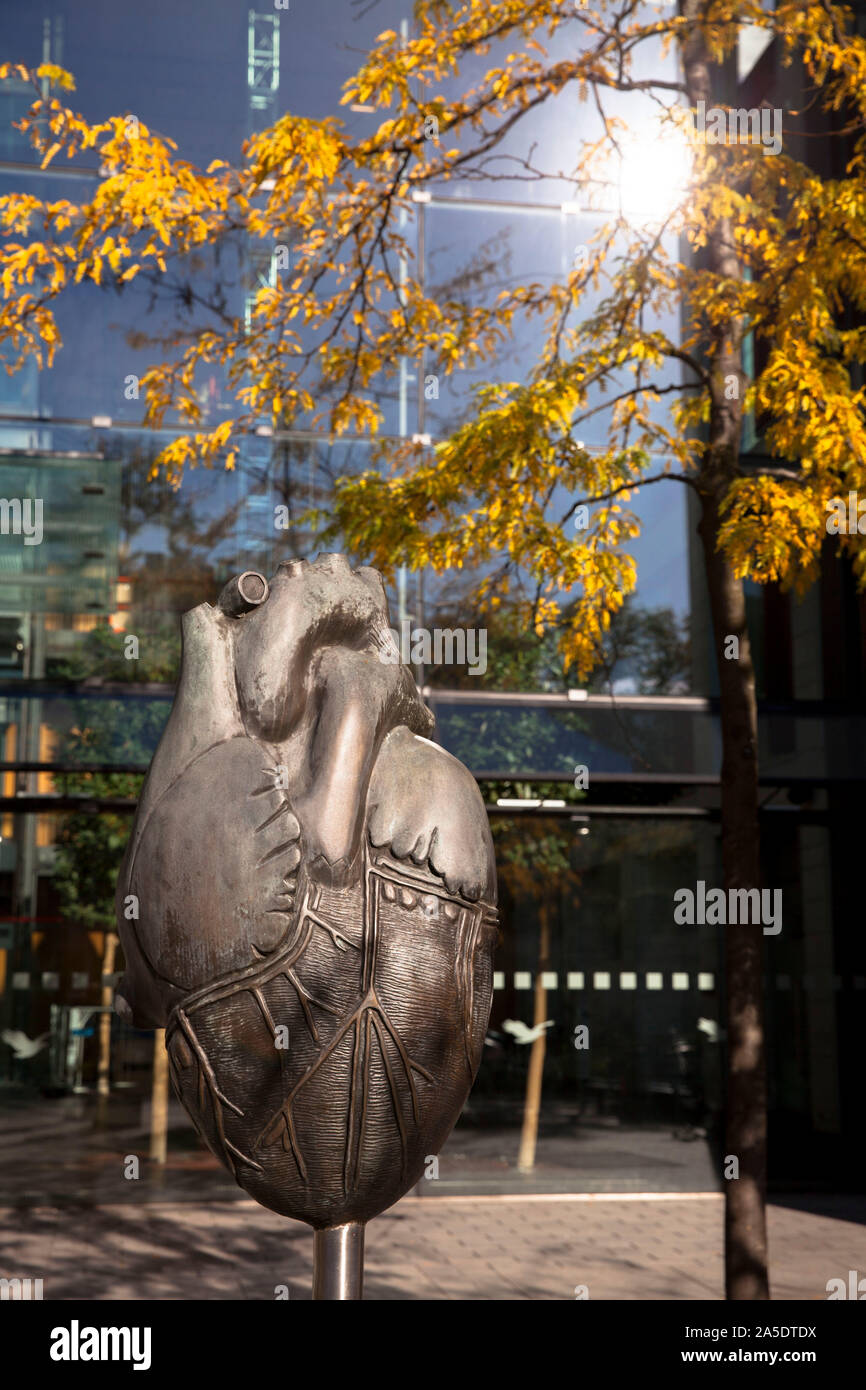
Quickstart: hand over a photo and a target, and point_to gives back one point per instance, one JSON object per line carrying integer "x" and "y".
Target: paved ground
{"x": 667, "y": 1247}
{"x": 631, "y": 1213}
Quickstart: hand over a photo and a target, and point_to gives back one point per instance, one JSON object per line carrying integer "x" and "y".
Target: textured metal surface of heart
{"x": 307, "y": 903}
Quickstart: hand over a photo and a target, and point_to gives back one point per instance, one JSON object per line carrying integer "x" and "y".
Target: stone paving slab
{"x": 655, "y": 1246}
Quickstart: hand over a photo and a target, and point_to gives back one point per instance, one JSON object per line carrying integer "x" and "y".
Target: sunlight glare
{"x": 654, "y": 172}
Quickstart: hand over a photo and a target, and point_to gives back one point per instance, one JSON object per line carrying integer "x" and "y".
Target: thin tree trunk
{"x": 103, "y": 1066}
{"x": 746, "y": 1101}
{"x": 746, "y": 1083}
{"x": 159, "y": 1099}
{"x": 535, "y": 1074}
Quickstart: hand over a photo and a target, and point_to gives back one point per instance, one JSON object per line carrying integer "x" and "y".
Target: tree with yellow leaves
{"x": 756, "y": 247}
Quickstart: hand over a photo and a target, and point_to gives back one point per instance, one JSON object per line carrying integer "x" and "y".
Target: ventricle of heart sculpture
{"x": 307, "y": 902}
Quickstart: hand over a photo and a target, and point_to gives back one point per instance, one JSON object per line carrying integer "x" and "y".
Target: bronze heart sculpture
{"x": 307, "y": 902}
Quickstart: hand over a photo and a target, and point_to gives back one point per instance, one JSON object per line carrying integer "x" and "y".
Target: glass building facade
{"x": 586, "y": 889}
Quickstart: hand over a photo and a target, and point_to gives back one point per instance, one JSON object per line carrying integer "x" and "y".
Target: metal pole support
{"x": 338, "y": 1262}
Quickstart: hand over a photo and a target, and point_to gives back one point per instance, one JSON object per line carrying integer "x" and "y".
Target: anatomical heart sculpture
{"x": 315, "y": 895}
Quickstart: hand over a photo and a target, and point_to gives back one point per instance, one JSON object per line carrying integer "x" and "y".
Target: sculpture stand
{"x": 338, "y": 1262}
